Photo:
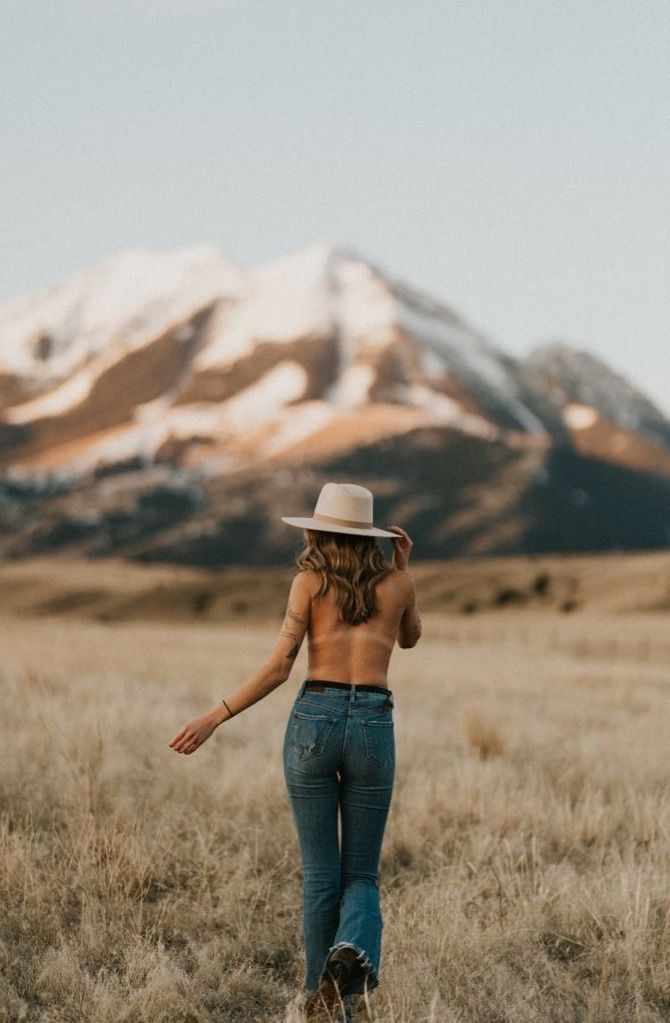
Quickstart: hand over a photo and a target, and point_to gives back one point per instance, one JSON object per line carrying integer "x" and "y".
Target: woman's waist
{"x": 337, "y": 685}
{"x": 345, "y": 697}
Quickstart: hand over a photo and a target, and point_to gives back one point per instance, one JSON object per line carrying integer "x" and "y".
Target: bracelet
{"x": 227, "y": 708}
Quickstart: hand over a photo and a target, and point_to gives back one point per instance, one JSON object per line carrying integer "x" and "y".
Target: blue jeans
{"x": 339, "y": 762}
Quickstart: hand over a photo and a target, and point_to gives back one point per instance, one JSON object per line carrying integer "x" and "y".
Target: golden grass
{"x": 526, "y": 860}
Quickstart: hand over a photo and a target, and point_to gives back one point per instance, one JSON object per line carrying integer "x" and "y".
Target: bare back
{"x": 355, "y": 653}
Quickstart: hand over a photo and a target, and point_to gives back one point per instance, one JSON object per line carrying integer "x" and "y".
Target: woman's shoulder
{"x": 399, "y": 583}
{"x": 398, "y": 577}
{"x": 308, "y": 579}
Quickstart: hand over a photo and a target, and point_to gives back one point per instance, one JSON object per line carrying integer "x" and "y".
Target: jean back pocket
{"x": 379, "y": 740}
{"x": 309, "y": 733}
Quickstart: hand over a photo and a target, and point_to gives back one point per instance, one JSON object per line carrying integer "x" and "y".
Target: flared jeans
{"x": 339, "y": 765}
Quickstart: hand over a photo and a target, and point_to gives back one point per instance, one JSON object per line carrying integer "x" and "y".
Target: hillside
{"x": 474, "y": 588}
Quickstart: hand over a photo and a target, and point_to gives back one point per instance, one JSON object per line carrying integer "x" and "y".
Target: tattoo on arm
{"x": 293, "y": 652}
{"x": 291, "y": 632}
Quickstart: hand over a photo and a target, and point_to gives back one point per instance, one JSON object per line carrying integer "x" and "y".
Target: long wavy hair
{"x": 352, "y": 565}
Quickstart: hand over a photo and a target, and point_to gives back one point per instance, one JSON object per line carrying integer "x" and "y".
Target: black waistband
{"x": 311, "y": 682}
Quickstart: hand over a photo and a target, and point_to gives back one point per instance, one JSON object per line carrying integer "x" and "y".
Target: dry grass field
{"x": 526, "y": 866}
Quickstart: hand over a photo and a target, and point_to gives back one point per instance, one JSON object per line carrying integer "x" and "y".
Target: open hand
{"x": 193, "y": 734}
{"x": 401, "y": 547}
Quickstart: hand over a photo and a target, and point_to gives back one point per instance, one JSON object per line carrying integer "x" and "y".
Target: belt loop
{"x": 301, "y": 690}
{"x": 352, "y": 697}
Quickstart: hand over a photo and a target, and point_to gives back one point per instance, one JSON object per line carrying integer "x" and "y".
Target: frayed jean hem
{"x": 370, "y": 980}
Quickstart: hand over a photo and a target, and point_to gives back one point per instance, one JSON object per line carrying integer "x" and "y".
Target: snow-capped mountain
{"x": 144, "y": 352}
{"x": 184, "y": 368}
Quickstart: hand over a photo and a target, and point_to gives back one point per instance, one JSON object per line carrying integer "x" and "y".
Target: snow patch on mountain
{"x": 446, "y": 411}
{"x": 352, "y": 387}
{"x": 365, "y": 313}
{"x": 125, "y": 443}
{"x": 196, "y": 420}
{"x": 256, "y": 404}
{"x": 55, "y": 402}
{"x": 579, "y": 417}
{"x": 366, "y": 306}
{"x": 571, "y": 375}
{"x": 299, "y": 423}
{"x": 124, "y": 301}
{"x": 283, "y": 300}
{"x": 467, "y": 355}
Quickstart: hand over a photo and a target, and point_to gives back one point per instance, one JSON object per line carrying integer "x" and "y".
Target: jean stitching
{"x": 315, "y": 703}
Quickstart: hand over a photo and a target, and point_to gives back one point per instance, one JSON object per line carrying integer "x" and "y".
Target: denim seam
{"x": 320, "y": 706}
{"x": 314, "y": 717}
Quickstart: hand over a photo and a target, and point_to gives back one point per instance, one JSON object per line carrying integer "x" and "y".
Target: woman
{"x": 339, "y": 752}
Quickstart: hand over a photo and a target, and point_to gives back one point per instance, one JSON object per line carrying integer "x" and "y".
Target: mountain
{"x": 606, "y": 416}
{"x": 167, "y": 405}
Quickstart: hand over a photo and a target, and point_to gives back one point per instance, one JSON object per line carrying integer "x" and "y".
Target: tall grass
{"x": 525, "y": 866}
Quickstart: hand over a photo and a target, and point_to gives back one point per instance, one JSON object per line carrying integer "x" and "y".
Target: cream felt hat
{"x": 342, "y": 508}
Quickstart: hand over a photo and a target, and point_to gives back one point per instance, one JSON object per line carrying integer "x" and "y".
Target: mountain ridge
{"x": 183, "y": 364}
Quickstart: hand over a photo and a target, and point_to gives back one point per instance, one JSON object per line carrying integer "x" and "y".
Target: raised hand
{"x": 401, "y": 547}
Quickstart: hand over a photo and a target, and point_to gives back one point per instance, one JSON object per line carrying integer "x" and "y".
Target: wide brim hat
{"x": 342, "y": 508}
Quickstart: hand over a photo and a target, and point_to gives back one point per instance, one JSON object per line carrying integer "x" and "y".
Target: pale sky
{"x": 511, "y": 157}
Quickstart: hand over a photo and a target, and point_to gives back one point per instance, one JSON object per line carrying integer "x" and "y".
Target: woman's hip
{"x": 351, "y": 737}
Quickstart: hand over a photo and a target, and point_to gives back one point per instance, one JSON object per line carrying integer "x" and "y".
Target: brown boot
{"x": 324, "y": 1004}
{"x": 344, "y": 968}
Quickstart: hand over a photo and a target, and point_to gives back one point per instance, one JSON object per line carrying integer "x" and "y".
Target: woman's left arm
{"x": 273, "y": 673}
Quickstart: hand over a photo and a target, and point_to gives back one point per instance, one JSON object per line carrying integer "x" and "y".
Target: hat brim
{"x": 327, "y": 527}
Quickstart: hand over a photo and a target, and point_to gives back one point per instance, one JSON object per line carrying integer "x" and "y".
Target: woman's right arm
{"x": 273, "y": 673}
{"x": 409, "y": 630}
